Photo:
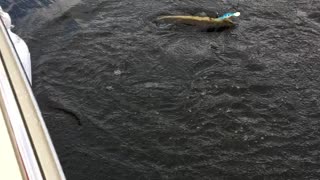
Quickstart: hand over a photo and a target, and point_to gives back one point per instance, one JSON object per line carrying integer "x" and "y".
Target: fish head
{"x": 227, "y": 23}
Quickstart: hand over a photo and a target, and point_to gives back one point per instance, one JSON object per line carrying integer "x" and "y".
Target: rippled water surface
{"x": 126, "y": 98}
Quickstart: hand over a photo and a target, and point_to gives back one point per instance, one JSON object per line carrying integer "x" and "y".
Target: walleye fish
{"x": 223, "y": 21}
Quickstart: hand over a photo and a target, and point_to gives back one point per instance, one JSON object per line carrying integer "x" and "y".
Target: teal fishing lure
{"x": 228, "y": 15}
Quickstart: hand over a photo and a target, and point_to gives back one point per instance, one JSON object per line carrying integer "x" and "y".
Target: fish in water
{"x": 202, "y": 22}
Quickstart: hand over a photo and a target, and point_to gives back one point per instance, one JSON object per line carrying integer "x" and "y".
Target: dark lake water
{"x": 126, "y": 98}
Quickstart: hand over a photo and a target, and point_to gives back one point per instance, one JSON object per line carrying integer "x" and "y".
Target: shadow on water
{"x": 19, "y": 9}
{"x": 29, "y": 15}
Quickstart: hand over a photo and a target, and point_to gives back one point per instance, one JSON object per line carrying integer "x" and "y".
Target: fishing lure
{"x": 229, "y": 15}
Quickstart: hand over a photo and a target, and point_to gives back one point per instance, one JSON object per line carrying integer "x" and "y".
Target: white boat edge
{"x": 28, "y": 146}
